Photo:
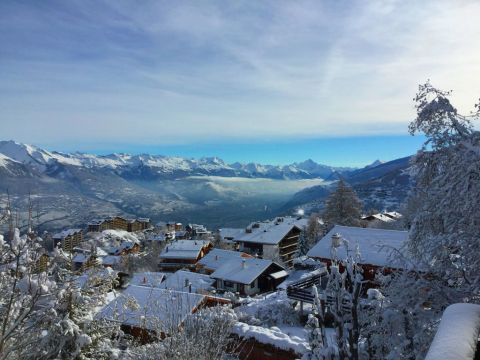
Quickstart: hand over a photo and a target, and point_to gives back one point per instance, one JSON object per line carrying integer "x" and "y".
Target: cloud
{"x": 185, "y": 71}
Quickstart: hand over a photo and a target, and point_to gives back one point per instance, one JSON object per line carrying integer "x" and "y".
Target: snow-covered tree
{"x": 310, "y": 234}
{"x": 444, "y": 220}
{"x": 43, "y": 314}
{"x": 445, "y": 227}
{"x": 205, "y": 335}
{"x": 343, "y": 207}
{"x": 26, "y": 296}
{"x": 342, "y": 303}
{"x": 74, "y": 332}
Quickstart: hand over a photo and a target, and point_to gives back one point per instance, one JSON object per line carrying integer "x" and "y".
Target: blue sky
{"x": 269, "y": 81}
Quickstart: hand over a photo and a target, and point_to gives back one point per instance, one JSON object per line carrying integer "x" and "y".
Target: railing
{"x": 302, "y": 290}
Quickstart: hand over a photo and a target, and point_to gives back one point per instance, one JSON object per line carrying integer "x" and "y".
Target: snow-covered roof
{"x": 375, "y": 245}
{"x": 393, "y": 214}
{"x": 379, "y": 217}
{"x": 268, "y": 232}
{"x": 231, "y": 233}
{"x": 273, "y": 336}
{"x": 153, "y": 309}
{"x": 63, "y": 234}
{"x": 243, "y": 271}
{"x": 178, "y": 281}
{"x": 149, "y": 279}
{"x": 457, "y": 335}
{"x": 110, "y": 260}
{"x": 184, "y": 249}
{"x": 218, "y": 257}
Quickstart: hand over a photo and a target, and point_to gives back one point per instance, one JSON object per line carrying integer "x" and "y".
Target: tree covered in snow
{"x": 342, "y": 304}
{"x": 43, "y": 315}
{"x": 26, "y": 295}
{"x": 310, "y": 234}
{"x": 444, "y": 220}
{"x": 205, "y": 335}
{"x": 74, "y": 332}
{"x": 444, "y": 231}
{"x": 343, "y": 207}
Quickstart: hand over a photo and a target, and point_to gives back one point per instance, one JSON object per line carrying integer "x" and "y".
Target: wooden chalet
{"x": 183, "y": 254}
{"x": 68, "y": 239}
{"x": 271, "y": 239}
{"x": 374, "y": 245}
{"x": 249, "y": 276}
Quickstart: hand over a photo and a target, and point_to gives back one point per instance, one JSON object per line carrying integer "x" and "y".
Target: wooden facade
{"x": 69, "y": 239}
{"x": 119, "y": 223}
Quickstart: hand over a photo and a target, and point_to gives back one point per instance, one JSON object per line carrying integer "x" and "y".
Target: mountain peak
{"x": 375, "y": 163}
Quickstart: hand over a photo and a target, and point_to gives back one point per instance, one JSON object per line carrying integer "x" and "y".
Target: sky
{"x": 264, "y": 81}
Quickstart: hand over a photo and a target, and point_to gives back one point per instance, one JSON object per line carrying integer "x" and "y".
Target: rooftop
{"x": 243, "y": 271}
{"x": 152, "y": 308}
{"x": 149, "y": 279}
{"x": 268, "y": 232}
{"x": 180, "y": 281}
{"x": 218, "y": 257}
{"x": 375, "y": 245}
{"x": 63, "y": 234}
{"x": 183, "y": 249}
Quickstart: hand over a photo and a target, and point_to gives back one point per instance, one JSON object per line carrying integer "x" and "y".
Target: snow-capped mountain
{"x": 146, "y": 166}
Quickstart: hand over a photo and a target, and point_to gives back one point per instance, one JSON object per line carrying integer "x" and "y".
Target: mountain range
{"x": 71, "y": 189}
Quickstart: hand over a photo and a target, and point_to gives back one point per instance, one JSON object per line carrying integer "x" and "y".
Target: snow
{"x": 457, "y": 335}
{"x": 273, "y": 336}
{"x": 218, "y": 257}
{"x": 268, "y": 232}
{"x": 4, "y": 160}
{"x": 151, "y": 308}
{"x": 184, "y": 249}
{"x": 243, "y": 271}
{"x": 178, "y": 281}
{"x": 375, "y": 245}
{"x": 149, "y": 279}
{"x": 63, "y": 234}
{"x": 297, "y": 275}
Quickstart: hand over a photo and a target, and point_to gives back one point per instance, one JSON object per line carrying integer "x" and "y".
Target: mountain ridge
{"x": 158, "y": 166}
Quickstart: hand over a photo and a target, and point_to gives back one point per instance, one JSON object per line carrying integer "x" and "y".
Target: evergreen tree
{"x": 343, "y": 207}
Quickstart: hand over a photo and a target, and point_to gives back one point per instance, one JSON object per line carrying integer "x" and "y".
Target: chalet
{"x": 188, "y": 281}
{"x": 84, "y": 259}
{"x": 68, "y": 238}
{"x": 181, "y": 235}
{"x": 375, "y": 247}
{"x": 183, "y": 254}
{"x": 149, "y": 279}
{"x": 197, "y": 231}
{"x": 118, "y": 223}
{"x": 248, "y": 276}
{"x": 42, "y": 262}
{"x": 216, "y": 258}
{"x": 158, "y": 310}
{"x": 277, "y": 239}
{"x": 97, "y": 225}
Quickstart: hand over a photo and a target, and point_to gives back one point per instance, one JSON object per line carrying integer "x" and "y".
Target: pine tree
{"x": 343, "y": 207}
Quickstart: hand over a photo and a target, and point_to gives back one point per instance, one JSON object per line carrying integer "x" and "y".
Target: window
{"x": 228, "y": 284}
{"x": 252, "y": 285}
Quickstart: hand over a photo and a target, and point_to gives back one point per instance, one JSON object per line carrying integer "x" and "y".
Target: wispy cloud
{"x": 161, "y": 71}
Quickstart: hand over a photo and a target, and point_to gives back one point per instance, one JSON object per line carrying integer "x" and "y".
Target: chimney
{"x": 243, "y": 263}
{"x": 216, "y": 257}
{"x": 336, "y": 240}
